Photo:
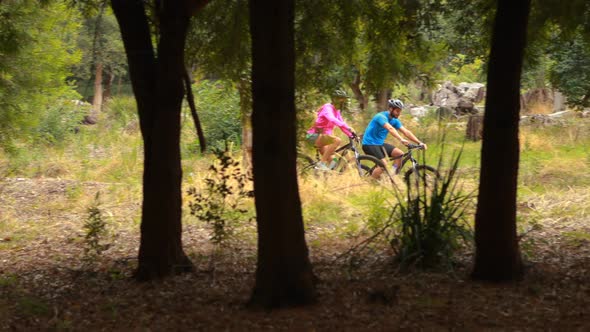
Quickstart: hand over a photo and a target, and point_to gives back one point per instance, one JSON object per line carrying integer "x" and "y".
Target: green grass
{"x": 553, "y": 160}
{"x": 577, "y": 238}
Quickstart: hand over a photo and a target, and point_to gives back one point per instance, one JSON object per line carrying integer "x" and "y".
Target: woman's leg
{"x": 327, "y": 145}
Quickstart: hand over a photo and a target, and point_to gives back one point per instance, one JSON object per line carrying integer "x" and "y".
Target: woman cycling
{"x": 328, "y": 117}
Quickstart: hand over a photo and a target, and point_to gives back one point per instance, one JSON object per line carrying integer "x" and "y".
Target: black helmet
{"x": 339, "y": 93}
{"x": 395, "y": 103}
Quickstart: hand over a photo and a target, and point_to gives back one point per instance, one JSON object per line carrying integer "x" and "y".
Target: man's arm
{"x": 411, "y": 136}
{"x": 395, "y": 134}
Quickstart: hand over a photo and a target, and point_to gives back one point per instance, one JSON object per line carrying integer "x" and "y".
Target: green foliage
{"x": 221, "y": 204}
{"x": 219, "y": 111}
{"x": 218, "y": 42}
{"x": 461, "y": 70}
{"x": 34, "y": 66}
{"x": 377, "y": 216}
{"x": 570, "y": 72}
{"x": 95, "y": 228}
{"x": 58, "y": 122}
{"x": 433, "y": 221}
{"x": 121, "y": 112}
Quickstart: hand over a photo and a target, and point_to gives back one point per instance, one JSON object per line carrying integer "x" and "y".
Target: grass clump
{"x": 429, "y": 224}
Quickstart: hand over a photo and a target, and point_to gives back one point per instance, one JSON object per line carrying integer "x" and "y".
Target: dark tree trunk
{"x": 284, "y": 275}
{"x": 497, "y": 255}
{"x": 158, "y": 89}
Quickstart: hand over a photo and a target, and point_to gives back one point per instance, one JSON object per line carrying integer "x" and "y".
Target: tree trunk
{"x": 382, "y": 98}
{"x": 108, "y": 86}
{"x": 355, "y": 86}
{"x": 284, "y": 275}
{"x": 97, "y": 98}
{"x": 474, "y": 127}
{"x": 158, "y": 90}
{"x": 497, "y": 256}
{"x": 244, "y": 89}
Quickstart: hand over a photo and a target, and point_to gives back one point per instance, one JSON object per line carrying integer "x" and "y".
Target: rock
{"x": 474, "y": 92}
{"x": 418, "y": 112}
{"x": 461, "y": 99}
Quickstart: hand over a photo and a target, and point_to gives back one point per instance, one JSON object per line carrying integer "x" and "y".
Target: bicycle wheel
{"x": 422, "y": 175}
{"x": 305, "y": 164}
{"x": 368, "y": 164}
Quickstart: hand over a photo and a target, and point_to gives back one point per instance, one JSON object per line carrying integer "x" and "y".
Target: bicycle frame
{"x": 408, "y": 157}
{"x": 342, "y": 152}
{"x": 352, "y": 147}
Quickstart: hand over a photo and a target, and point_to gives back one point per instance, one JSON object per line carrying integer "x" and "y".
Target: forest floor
{"x": 44, "y": 284}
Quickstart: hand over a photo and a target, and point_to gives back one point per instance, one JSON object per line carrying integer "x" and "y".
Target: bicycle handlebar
{"x": 415, "y": 146}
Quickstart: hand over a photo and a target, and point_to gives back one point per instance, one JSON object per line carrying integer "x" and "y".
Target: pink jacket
{"x": 328, "y": 118}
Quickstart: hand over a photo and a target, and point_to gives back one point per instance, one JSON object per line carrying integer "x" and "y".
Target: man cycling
{"x": 320, "y": 134}
{"x": 376, "y": 133}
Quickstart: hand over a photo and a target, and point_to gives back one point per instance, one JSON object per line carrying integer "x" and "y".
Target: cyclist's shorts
{"x": 311, "y": 138}
{"x": 377, "y": 150}
{"x": 323, "y": 139}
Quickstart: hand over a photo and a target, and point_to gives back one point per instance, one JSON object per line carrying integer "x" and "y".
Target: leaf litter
{"x": 45, "y": 285}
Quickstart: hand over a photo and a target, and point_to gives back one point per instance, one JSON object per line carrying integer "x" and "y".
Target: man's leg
{"x": 396, "y": 154}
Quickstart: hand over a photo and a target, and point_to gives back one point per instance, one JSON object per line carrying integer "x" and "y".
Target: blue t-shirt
{"x": 375, "y": 134}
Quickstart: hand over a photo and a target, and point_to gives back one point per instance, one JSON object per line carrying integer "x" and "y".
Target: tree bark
{"x": 382, "y": 97}
{"x": 284, "y": 275}
{"x": 158, "y": 89}
{"x": 355, "y": 86}
{"x": 97, "y": 98}
{"x": 244, "y": 89}
{"x": 497, "y": 256}
{"x": 108, "y": 86}
{"x": 474, "y": 127}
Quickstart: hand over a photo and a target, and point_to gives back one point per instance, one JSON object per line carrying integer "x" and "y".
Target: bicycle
{"x": 346, "y": 158}
{"x": 418, "y": 173}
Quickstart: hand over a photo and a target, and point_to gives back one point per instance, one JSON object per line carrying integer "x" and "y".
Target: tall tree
{"x": 284, "y": 275}
{"x": 158, "y": 87}
{"x": 497, "y": 255}
{"x": 103, "y": 57}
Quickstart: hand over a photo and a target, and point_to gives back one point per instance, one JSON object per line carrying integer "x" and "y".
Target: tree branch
{"x": 191, "y": 103}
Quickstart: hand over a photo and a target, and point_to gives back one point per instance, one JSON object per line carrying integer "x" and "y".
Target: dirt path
{"x": 44, "y": 285}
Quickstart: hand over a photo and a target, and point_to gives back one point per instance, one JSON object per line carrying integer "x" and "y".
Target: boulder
{"x": 543, "y": 100}
{"x": 460, "y": 99}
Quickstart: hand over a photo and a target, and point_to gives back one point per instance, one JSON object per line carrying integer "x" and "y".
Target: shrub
{"x": 122, "y": 111}
{"x": 95, "y": 228}
{"x": 221, "y": 204}
{"x": 218, "y": 106}
{"x": 58, "y": 122}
